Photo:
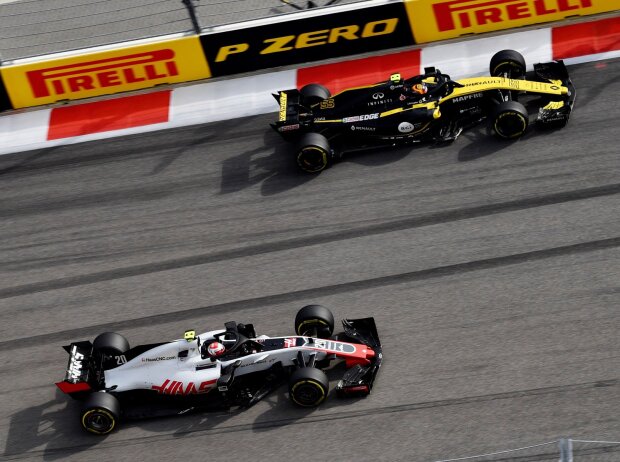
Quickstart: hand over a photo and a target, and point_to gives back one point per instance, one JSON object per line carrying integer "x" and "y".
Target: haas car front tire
{"x": 100, "y": 413}
{"x": 314, "y": 153}
{"x": 308, "y": 387}
{"x": 313, "y": 93}
{"x": 314, "y": 320}
{"x": 510, "y": 120}
{"x": 508, "y": 63}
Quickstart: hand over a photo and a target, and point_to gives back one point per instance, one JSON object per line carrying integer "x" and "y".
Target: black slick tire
{"x": 507, "y": 62}
{"x": 314, "y": 93}
{"x": 308, "y": 387}
{"x": 111, "y": 343}
{"x": 314, "y": 319}
{"x": 313, "y": 153}
{"x": 100, "y": 413}
{"x": 510, "y": 120}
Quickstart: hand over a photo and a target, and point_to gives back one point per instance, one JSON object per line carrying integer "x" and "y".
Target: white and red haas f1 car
{"x": 218, "y": 369}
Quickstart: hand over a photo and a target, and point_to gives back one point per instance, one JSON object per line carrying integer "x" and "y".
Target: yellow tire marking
{"x": 312, "y": 382}
{"x": 101, "y": 411}
{"x": 310, "y": 321}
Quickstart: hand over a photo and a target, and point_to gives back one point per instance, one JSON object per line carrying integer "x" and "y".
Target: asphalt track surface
{"x": 492, "y": 269}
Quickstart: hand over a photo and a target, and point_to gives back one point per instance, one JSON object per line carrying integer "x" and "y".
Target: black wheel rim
{"x": 509, "y": 125}
{"x": 513, "y": 69}
{"x": 98, "y": 422}
{"x": 312, "y": 159}
{"x": 311, "y": 327}
{"x": 308, "y": 394}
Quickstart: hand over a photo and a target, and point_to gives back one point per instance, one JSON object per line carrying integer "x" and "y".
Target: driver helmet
{"x": 420, "y": 88}
{"x": 216, "y": 349}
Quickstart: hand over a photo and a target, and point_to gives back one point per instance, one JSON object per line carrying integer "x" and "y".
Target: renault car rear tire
{"x": 314, "y": 93}
{"x": 314, "y": 153}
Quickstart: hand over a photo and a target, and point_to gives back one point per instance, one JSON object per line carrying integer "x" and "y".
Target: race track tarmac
{"x": 491, "y": 268}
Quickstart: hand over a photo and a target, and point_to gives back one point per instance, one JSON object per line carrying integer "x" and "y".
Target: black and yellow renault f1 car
{"x": 428, "y": 107}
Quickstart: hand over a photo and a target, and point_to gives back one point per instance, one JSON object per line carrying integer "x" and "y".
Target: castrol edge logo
{"x": 463, "y": 14}
{"x": 149, "y": 66}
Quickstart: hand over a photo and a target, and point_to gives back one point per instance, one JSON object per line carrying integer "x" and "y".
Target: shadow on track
{"x": 482, "y": 142}
{"x": 280, "y": 412}
{"x": 22, "y": 162}
{"x": 270, "y": 164}
{"x": 168, "y": 158}
{"x": 47, "y": 425}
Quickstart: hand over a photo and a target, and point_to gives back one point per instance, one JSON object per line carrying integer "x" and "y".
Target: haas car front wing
{"x": 358, "y": 380}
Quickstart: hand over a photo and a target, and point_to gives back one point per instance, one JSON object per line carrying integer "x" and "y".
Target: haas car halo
{"x": 428, "y": 107}
{"x": 218, "y": 369}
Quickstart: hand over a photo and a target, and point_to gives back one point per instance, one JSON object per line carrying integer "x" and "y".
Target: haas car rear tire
{"x": 313, "y": 93}
{"x": 111, "y": 343}
{"x": 308, "y": 387}
{"x": 100, "y": 413}
{"x": 314, "y": 320}
{"x": 314, "y": 153}
{"x": 508, "y": 62}
{"x": 510, "y": 120}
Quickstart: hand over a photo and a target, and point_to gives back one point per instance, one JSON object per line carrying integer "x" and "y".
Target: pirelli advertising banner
{"x": 5, "y": 102}
{"x": 105, "y": 72}
{"x": 308, "y": 38}
{"x": 434, "y": 20}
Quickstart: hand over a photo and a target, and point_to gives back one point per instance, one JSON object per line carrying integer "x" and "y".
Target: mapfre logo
{"x": 93, "y": 75}
{"x": 463, "y": 14}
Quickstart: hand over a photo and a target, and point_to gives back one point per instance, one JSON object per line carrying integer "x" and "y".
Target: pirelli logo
{"x": 139, "y": 68}
{"x": 463, "y": 14}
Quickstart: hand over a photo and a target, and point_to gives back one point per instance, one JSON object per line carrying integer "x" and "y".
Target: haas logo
{"x": 174, "y": 387}
{"x": 405, "y": 127}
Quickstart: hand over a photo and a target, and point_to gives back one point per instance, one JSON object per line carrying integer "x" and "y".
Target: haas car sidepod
{"x": 428, "y": 107}
{"x": 115, "y": 381}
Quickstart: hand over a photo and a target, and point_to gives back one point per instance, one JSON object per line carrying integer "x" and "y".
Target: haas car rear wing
{"x": 79, "y": 372}
{"x": 358, "y": 380}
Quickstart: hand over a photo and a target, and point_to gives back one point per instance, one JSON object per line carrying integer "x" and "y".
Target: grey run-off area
{"x": 38, "y": 27}
{"x": 492, "y": 270}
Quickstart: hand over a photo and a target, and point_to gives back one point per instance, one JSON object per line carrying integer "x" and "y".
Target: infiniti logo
{"x": 378, "y": 96}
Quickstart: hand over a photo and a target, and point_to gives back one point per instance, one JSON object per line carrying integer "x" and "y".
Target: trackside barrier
{"x": 104, "y": 71}
{"x": 307, "y": 37}
{"x": 281, "y": 41}
{"x": 5, "y": 102}
{"x": 586, "y": 38}
{"x": 436, "y": 20}
{"x": 251, "y": 95}
{"x": 562, "y": 450}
